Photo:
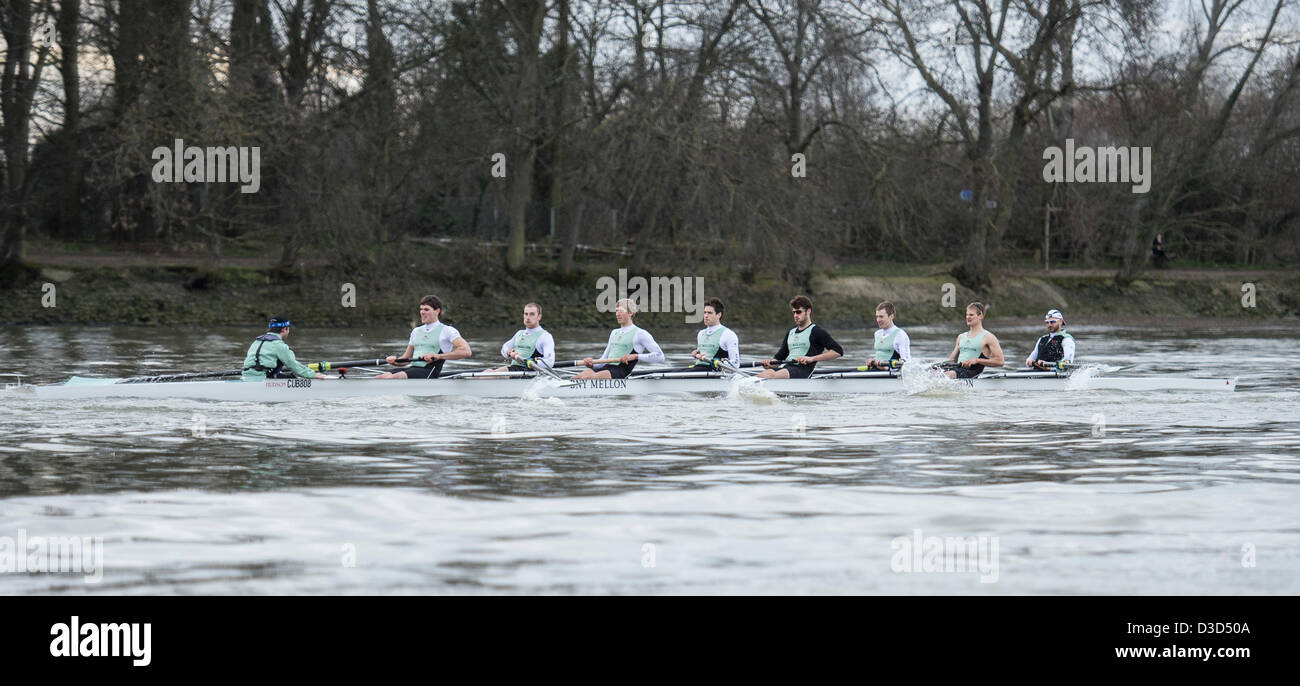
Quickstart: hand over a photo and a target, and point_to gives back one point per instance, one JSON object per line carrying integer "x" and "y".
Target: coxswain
{"x": 1055, "y": 347}
{"x": 269, "y": 357}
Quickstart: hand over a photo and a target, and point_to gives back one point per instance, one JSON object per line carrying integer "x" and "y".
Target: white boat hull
{"x": 279, "y": 390}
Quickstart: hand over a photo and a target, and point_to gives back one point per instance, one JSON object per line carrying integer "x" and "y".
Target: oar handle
{"x": 1054, "y": 366}
{"x": 579, "y": 363}
{"x": 846, "y": 370}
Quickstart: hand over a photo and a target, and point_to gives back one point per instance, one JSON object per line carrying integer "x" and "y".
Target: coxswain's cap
{"x": 279, "y": 322}
{"x": 1053, "y": 314}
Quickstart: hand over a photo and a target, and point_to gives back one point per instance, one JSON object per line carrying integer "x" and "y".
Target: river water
{"x": 1086, "y": 492}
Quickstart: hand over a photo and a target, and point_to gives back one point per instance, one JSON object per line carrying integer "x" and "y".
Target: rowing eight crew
{"x": 433, "y": 342}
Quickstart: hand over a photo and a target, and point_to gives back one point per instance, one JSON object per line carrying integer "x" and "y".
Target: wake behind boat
{"x": 519, "y": 384}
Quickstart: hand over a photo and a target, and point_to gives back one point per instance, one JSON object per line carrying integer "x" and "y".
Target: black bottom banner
{"x": 240, "y": 637}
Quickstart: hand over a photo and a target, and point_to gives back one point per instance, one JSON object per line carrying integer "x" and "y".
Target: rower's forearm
{"x": 651, "y": 356}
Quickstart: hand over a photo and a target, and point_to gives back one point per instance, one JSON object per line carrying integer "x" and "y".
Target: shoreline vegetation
{"x": 653, "y": 134}
{"x": 158, "y": 290}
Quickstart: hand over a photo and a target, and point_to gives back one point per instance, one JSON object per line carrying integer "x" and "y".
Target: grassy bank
{"x": 477, "y": 290}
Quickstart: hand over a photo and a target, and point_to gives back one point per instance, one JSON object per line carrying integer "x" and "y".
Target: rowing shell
{"x": 276, "y": 390}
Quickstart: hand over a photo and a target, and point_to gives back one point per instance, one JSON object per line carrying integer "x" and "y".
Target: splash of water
{"x": 919, "y": 377}
{"x": 1082, "y": 378}
{"x": 534, "y": 390}
{"x": 750, "y": 389}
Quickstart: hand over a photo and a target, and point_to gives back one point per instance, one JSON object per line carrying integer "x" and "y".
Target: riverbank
{"x": 170, "y": 292}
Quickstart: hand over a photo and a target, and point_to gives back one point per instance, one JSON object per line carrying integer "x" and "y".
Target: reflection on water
{"x": 1088, "y": 492}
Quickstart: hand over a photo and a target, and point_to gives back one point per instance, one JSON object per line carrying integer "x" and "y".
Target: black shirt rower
{"x": 803, "y": 347}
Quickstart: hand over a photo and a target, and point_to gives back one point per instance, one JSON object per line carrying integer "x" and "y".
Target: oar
{"x": 567, "y": 363}
{"x": 545, "y": 369}
{"x": 485, "y": 374}
{"x": 846, "y": 370}
{"x": 330, "y": 366}
{"x": 734, "y": 369}
{"x": 1075, "y": 365}
{"x": 181, "y": 377}
{"x": 314, "y": 366}
{"x": 579, "y": 363}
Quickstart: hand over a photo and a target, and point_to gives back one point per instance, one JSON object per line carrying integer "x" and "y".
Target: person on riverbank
{"x": 1054, "y": 347}
{"x": 803, "y": 347}
{"x": 893, "y": 347}
{"x": 1158, "y": 256}
{"x": 269, "y": 357}
{"x": 975, "y": 349}
{"x": 431, "y": 343}
{"x": 628, "y": 344}
{"x": 529, "y": 343}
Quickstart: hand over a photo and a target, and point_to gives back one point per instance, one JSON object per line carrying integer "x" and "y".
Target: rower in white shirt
{"x": 714, "y": 342}
{"x": 431, "y": 344}
{"x": 628, "y": 344}
{"x": 893, "y": 347}
{"x": 529, "y": 343}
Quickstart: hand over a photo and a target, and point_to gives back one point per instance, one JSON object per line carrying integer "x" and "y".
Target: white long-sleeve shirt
{"x": 729, "y": 341}
{"x": 902, "y": 344}
{"x": 643, "y": 343}
{"x": 545, "y": 345}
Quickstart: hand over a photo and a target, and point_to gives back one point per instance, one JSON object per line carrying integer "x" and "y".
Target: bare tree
{"x": 23, "y": 64}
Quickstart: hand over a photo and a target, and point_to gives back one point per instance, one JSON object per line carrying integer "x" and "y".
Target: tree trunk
{"x": 559, "y": 140}
{"x": 572, "y": 226}
{"x": 16, "y": 96}
{"x": 1132, "y": 260}
{"x": 70, "y": 190}
{"x": 529, "y": 18}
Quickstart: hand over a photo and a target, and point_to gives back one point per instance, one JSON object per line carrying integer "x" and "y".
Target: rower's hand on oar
{"x": 628, "y": 358}
{"x": 804, "y": 359}
{"x": 588, "y": 362}
{"x": 391, "y": 359}
{"x": 429, "y": 357}
{"x": 968, "y": 363}
{"x": 767, "y": 364}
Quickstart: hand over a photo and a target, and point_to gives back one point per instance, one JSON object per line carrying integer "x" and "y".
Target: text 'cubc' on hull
{"x": 306, "y": 389}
